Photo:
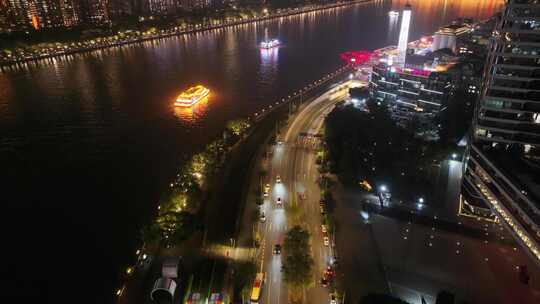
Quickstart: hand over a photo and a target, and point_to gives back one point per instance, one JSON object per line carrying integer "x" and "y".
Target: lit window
{"x": 481, "y": 132}
{"x": 490, "y": 103}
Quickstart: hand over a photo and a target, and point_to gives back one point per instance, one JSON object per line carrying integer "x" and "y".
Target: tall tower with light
{"x": 404, "y": 34}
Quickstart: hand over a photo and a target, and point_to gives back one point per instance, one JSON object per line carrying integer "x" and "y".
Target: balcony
{"x": 506, "y": 198}
{"x": 516, "y": 71}
{"x": 509, "y": 125}
{"x": 514, "y": 93}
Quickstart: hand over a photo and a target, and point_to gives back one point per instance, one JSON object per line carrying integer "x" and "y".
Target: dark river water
{"x": 87, "y": 143}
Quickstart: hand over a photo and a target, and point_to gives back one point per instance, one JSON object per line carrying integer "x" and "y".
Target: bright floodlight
{"x": 404, "y": 34}
{"x": 454, "y": 155}
{"x": 421, "y": 200}
{"x": 383, "y": 188}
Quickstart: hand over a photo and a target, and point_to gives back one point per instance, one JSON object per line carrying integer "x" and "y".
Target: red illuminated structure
{"x": 356, "y": 57}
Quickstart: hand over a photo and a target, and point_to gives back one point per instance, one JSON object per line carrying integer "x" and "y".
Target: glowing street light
{"x": 454, "y": 155}
{"x": 420, "y": 204}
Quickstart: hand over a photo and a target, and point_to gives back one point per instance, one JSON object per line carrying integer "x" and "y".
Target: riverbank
{"x": 19, "y": 56}
{"x": 210, "y": 190}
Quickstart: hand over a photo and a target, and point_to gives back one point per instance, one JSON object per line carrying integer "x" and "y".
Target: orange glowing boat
{"x": 191, "y": 96}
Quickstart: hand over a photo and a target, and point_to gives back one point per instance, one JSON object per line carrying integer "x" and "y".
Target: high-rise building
{"x": 46, "y": 14}
{"x": 502, "y": 169}
{"x": 195, "y": 4}
{"x": 404, "y": 34}
{"x": 40, "y": 14}
{"x": 162, "y": 7}
{"x": 70, "y": 12}
{"x": 94, "y": 11}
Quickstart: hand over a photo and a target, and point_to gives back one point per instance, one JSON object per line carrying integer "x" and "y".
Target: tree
{"x": 177, "y": 226}
{"x": 244, "y": 275}
{"x": 298, "y": 263}
{"x": 238, "y": 126}
{"x": 298, "y": 270}
{"x": 296, "y": 240}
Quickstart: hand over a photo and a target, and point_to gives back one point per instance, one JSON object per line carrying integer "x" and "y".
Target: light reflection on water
{"x": 104, "y": 124}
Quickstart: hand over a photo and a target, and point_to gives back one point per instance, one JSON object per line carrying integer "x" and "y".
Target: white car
{"x": 324, "y": 229}
{"x": 333, "y": 299}
{"x": 278, "y": 201}
{"x": 278, "y": 179}
{"x": 263, "y": 217}
{"x": 266, "y": 190}
{"x": 326, "y": 241}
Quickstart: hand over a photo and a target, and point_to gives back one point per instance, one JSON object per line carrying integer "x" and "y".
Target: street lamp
{"x": 420, "y": 203}
{"x": 384, "y": 195}
{"x": 454, "y": 155}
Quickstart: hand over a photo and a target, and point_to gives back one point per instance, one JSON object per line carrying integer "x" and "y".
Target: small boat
{"x": 191, "y": 96}
{"x": 393, "y": 13}
{"x": 269, "y": 43}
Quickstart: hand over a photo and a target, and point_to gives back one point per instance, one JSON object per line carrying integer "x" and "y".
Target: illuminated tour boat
{"x": 191, "y": 96}
{"x": 393, "y": 13}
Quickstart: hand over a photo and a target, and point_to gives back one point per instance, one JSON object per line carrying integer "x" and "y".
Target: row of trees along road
{"x": 297, "y": 263}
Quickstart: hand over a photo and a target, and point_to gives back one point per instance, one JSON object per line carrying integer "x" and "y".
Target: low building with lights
{"x": 411, "y": 88}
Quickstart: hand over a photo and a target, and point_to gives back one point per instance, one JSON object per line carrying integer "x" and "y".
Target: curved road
{"x": 294, "y": 162}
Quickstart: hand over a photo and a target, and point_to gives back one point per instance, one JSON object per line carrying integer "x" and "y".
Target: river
{"x": 88, "y": 142}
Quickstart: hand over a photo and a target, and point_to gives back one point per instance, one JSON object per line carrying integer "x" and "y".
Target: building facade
{"x": 446, "y": 37}
{"x": 503, "y": 164}
{"x": 425, "y": 92}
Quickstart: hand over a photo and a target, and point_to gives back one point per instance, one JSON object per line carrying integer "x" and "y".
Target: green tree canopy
{"x": 238, "y": 126}
{"x": 298, "y": 263}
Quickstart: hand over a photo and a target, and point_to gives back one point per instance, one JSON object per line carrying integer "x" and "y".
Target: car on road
{"x": 278, "y": 201}
{"x": 324, "y": 229}
{"x": 266, "y": 190}
{"x": 333, "y": 299}
{"x": 329, "y": 273}
{"x": 263, "y": 217}
{"x": 278, "y": 179}
{"x": 322, "y": 210}
{"x": 324, "y": 282}
{"x": 277, "y": 249}
{"x": 326, "y": 241}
